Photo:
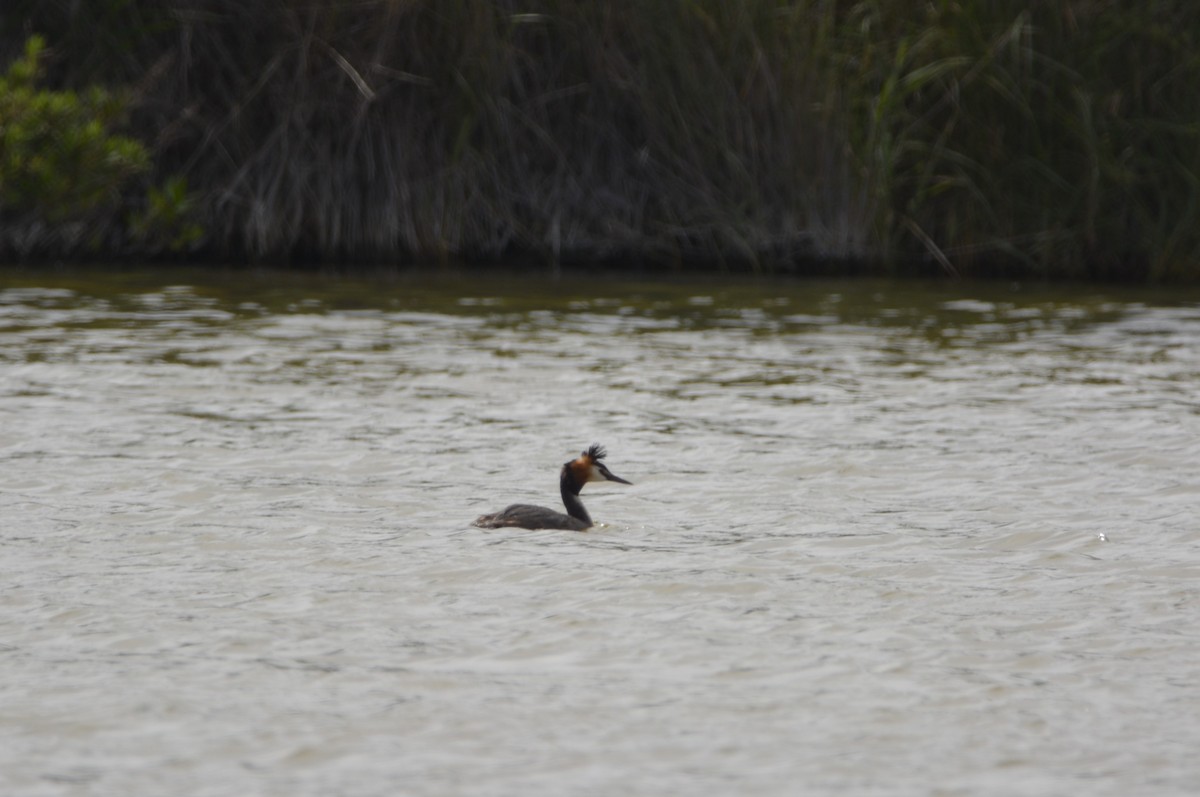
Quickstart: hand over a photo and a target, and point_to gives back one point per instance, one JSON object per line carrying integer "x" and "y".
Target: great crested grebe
{"x": 574, "y": 474}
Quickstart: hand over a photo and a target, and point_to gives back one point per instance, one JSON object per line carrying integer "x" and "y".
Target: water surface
{"x": 882, "y": 539}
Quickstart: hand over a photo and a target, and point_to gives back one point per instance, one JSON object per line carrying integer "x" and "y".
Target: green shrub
{"x": 59, "y": 158}
{"x": 166, "y": 223}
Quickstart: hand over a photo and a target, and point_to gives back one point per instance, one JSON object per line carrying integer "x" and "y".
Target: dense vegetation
{"x": 972, "y": 137}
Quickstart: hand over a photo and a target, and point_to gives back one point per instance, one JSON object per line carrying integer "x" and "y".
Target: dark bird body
{"x": 574, "y": 474}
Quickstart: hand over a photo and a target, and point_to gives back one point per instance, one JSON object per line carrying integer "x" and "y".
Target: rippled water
{"x": 882, "y": 539}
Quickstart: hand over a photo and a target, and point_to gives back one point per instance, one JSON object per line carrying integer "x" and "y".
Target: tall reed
{"x": 959, "y": 137}
{"x": 1056, "y": 139}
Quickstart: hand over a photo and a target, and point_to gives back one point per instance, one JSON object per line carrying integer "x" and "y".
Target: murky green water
{"x": 882, "y": 539}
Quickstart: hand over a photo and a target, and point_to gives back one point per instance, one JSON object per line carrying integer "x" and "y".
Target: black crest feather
{"x": 596, "y": 452}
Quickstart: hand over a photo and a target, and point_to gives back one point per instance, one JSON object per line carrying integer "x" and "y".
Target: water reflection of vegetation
{"x": 944, "y": 314}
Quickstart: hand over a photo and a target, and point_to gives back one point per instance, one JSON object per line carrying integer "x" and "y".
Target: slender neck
{"x": 570, "y": 496}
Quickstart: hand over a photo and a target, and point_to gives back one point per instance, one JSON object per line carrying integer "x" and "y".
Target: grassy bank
{"x": 966, "y": 138}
